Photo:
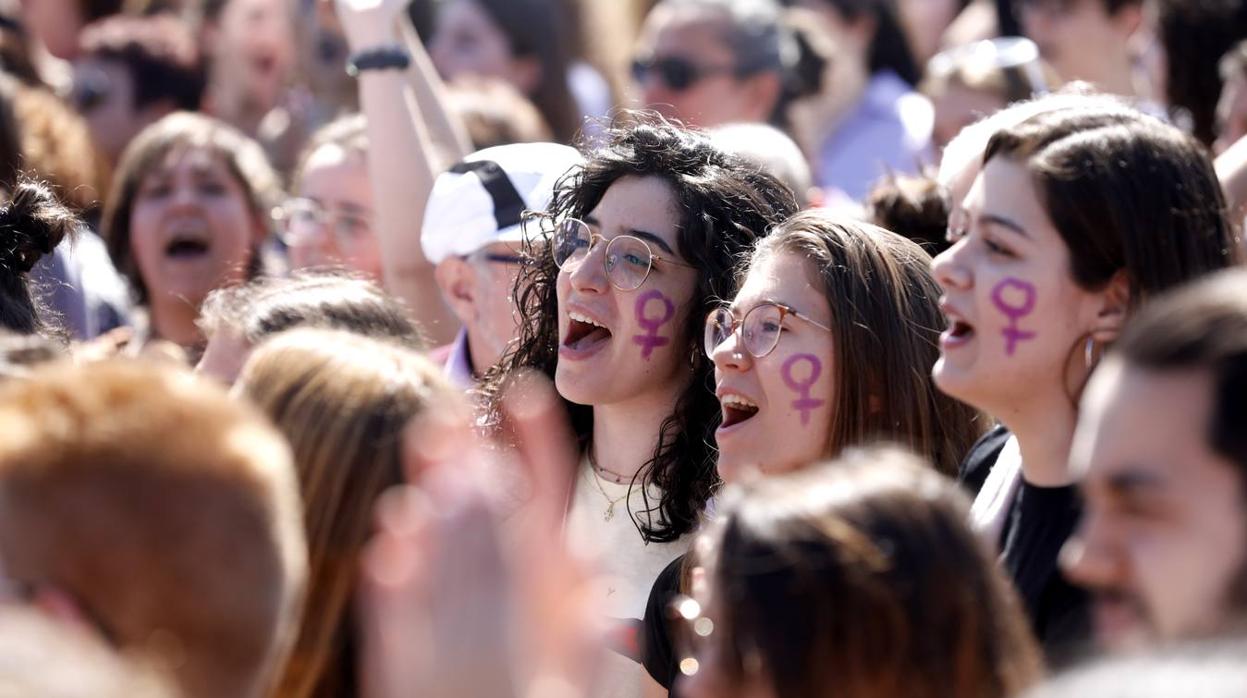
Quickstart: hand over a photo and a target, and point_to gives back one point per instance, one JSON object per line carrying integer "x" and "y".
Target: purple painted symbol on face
{"x": 1012, "y": 333}
{"x": 805, "y": 404}
{"x": 652, "y": 340}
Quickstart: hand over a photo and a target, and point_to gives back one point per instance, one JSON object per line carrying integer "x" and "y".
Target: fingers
{"x": 396, "y": 632}
{"x": 545, "y": 445}
{"x": 435, "y": 439}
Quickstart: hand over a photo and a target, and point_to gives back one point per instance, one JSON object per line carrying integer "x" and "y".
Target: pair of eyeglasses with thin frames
{"x": 628, "y": 259}
{"x": 759, "y": 329}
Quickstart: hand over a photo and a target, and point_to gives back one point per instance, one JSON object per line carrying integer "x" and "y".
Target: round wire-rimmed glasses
{"x": 759, "y": 329}
{"x": 628, "y": 259}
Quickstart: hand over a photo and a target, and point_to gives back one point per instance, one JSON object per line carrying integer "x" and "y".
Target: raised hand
{"x": 448, "y": 608}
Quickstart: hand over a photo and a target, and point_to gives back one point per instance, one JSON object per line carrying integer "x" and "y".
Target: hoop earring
{"x": 1088, "y": 354}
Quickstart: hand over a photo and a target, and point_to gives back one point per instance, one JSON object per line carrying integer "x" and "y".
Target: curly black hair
{"x": 725, "y": 206}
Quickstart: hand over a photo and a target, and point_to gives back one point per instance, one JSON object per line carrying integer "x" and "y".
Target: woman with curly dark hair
{"x": 643, "y": 241}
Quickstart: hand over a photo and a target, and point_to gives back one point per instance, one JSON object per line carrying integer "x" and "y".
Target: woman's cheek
{"x": 800, "y": 374}
{"x": 653, "y": 312}
{"x": 1014, "y": 299}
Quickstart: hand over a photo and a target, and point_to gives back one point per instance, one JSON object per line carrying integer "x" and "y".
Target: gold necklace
{"x": 610, "y": 503}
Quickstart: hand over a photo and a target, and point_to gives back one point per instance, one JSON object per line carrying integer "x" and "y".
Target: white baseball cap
{"x": 478, "y": 201}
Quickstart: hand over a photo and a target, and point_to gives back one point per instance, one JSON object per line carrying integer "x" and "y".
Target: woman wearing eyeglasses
{"x": 329, "y": 220}
{"x": 828, "y": 344}
{"x": 643, "y": 240}
{"x": 711, "y": 62}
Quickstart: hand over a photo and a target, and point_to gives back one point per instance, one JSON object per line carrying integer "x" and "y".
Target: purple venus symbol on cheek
{"x": 652, "y": 340}
{"x": 1025, "y": 294}
{"x": 805, "y": 404}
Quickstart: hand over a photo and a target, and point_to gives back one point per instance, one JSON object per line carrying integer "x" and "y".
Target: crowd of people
{"x": 580, "y": 349}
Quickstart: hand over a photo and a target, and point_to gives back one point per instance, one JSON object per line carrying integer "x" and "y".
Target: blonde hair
{"x": 166, "y": 510}
{"x": 343, "y": 401}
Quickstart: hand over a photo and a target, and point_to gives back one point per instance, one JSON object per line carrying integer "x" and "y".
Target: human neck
{"x": 174, "y": 320}
{"x": 1044, "y": 428}
{"x": 624, "y": 434}
{"x": 1113, "y": 75}
{"x": 478, "y": 353}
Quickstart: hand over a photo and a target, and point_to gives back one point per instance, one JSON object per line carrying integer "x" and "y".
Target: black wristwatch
{"x": 380, "y": 58}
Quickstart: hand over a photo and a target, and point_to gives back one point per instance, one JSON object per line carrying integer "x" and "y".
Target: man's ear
{"x": 1114, "y": 309}
{"x": 457, "y": 280}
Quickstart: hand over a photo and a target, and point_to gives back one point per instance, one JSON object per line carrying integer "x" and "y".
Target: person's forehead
{"x": 1150, "y": 423}
{"x": 645, "y": 203}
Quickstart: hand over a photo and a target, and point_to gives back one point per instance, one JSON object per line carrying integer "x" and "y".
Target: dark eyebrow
{"x": 355, "y": 209}
{"x": 1132, "y": 481}
{"x": 652, "y": 238}
{"x": 993, "y": 219}
{"x": 644, "y": 235}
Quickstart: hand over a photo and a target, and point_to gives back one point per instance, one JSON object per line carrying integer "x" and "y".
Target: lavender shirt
{"x": 888, "y": 130}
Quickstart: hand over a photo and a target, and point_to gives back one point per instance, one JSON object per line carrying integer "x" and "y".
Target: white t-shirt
{"x": 631, "y": 565}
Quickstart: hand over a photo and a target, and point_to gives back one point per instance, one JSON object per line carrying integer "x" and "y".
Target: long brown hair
{"x": 861, "y": 579}
{"x": 343, "y": 401}
{"x": 885, "y": 321}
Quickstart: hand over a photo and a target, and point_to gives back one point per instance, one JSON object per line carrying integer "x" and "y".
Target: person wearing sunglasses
{"x": 828, "y": 344}
{"x": 473, "y": 233}
{"x": 643, "y": 239}
{"x": 711, "y": 62}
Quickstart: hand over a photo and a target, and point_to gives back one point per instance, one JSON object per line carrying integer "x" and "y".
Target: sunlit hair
{"x": 885, "y": 322}
{"x": 343, "y": 401}
{"x": 724, "y": 206}
{"x": 183, "y": 131}
{"x": 166, "y": 511}
{"x": 324, "y": 299}
{"x": 349, "y": 132}
{"x": 32, "y": 223}
{"x": 861, "y": 579}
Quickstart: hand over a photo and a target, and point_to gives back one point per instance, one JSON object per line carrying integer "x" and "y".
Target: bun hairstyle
{"x": 32, "y": 224}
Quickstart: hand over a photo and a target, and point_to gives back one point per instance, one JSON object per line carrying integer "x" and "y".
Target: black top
{"x": 982, "y": 456}
{"x": 1039, "y": 522}
{"x": 657, "y": 650}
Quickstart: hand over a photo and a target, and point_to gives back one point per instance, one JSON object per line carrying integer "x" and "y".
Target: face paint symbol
{"x": 805, "y": 404}
{"x": 652, "y": 339}
{"x": 1012, "y": 334}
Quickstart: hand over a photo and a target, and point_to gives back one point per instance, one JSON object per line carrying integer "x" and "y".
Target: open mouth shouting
{"x": 584, "y": 337}
{"x": 959, "y": 331}
{"x": 188, "y": 241}
{"x": 737, "y": 410}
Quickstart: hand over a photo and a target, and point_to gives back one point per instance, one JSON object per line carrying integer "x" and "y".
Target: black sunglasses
{"x": 677, "y": 73}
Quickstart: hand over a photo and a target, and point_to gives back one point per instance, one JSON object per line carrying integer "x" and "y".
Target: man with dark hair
{"x": 1086, "y": 40}
{"x": 1162, "y": 451}
{"x": 131, "y": 72}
